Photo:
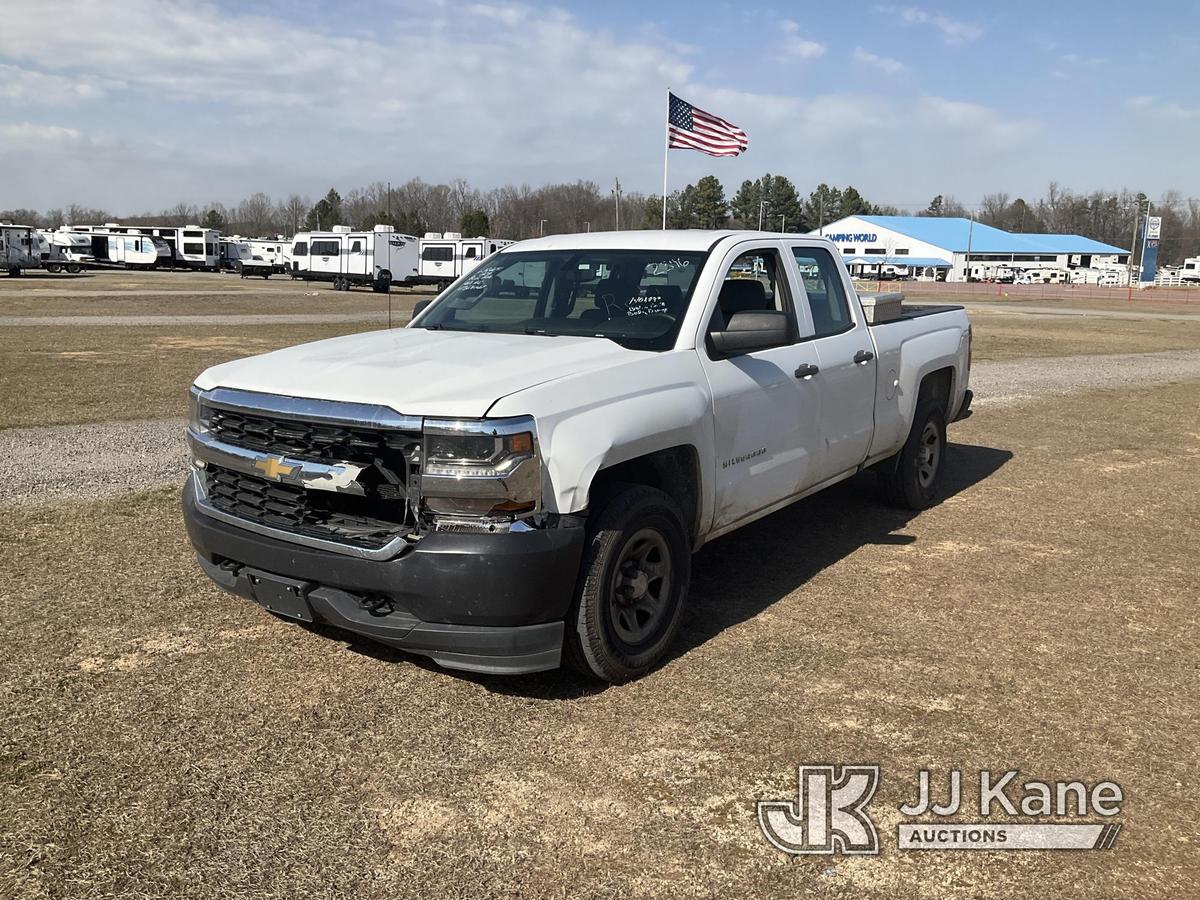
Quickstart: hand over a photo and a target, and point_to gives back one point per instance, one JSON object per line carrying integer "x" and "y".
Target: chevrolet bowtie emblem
{"x": 273, "y": 467}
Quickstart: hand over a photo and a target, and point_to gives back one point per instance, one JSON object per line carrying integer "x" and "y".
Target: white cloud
{"x": 795, "y": 46}
{"x": 1163, "y": 109}
{"x": 27, "y": 87}
{"x": 953, "y": 31}
{"x": 201, "y": 103}
{"x": 27, "y": 135}
{"x": 884, "y": 63}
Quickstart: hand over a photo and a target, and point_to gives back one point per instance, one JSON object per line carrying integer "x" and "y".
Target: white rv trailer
{"x": 68, "y": 250}
{"x": 381, "y": 257}
{"x": 447, "y": 256}
{"x": 21, "y": 248}
{"x": 195, "y": 247}
{"x": 270, "y": 250}
{"x": 120, "y": 245}
{"x": 297, "y": 255}
{"x": 233, "y": 252}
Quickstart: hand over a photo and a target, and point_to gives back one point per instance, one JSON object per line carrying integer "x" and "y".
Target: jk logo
{"x": 828, "y": 815}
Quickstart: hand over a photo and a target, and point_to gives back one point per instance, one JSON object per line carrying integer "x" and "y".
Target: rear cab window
{"x": 825, "y": 291}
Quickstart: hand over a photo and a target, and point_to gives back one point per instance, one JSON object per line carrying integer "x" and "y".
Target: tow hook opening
{"x": 376, "y": 605}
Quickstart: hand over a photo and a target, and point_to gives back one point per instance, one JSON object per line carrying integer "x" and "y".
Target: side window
{"x": 356, "y": 247}
{"x": 470, "y": 254}
{"x": 753, "y": 283}
{"x": 826, "y": 294}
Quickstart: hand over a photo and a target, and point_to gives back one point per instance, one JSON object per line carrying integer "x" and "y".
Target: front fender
{"x": 592, "y": 421}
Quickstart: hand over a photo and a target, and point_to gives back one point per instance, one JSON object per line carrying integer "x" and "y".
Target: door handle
{"x": 863, "y": 356}
{"x": 808, "y": 370}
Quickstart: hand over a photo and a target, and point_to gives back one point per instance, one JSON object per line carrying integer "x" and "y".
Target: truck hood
{"x": 416, "y": 371}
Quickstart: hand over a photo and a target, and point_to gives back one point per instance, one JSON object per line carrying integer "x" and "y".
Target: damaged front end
{"x": 359, "y": 479}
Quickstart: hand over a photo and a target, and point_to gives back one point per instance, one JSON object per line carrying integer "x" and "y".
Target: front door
{"x": 845, "y": 354}
{"x": 765, "y": 404}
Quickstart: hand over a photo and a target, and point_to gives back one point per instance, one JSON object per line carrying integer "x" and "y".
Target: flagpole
{"x": 666, "y": 149}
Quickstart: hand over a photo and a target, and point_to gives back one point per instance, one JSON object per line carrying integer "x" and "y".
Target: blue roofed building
{"x": 948, "y": 249}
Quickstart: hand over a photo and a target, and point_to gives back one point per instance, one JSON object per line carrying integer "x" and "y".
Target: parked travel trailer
{"x": 196, "y": 247}
{"x": 380, "y": 258}
{"x": 296, "y": 256}
{"x": 233, "y": 252}
{"x": 129, "y": 255}
{"x": 447, "y": 256}
{"x": 1044, "y": 276}
{"x": 67, "y": 250}
{"x": 1189, "y": 272}
{"x": 270, "y": 250}
{"x": 21, "y": 248}
{"x": 117, "y": 245}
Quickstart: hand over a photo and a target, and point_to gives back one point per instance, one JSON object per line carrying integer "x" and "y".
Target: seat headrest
{"x": 742, "y": 294}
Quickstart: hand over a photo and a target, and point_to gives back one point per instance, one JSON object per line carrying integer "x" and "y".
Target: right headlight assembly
{"x": 481, "y": 467}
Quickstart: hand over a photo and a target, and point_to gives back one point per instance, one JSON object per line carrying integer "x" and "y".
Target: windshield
{"x": 634, "y": 297}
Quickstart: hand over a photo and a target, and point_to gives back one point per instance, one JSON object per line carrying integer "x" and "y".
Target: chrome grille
{"x": 386, "y": 506}
{"x": 309, "y": 440}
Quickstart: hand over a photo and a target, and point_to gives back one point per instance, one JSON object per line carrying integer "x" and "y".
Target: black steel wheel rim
{"x": 640, "y": 593}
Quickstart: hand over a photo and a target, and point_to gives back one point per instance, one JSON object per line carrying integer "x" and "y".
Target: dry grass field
{"x": 163, "y": 739}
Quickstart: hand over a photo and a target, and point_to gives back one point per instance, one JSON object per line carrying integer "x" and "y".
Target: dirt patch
{"x": 188, "y": 293}
{"x": 58, "y": 376}
{"x": 1002, "y": 336}
{"x": 164, "y": 738}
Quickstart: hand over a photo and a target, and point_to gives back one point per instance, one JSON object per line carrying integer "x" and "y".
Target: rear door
{"x": 846, "y": 357}
{"x": 765, "y": 406}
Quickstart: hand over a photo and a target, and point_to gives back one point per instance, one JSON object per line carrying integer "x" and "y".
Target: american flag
{"x": 689, "y": 128}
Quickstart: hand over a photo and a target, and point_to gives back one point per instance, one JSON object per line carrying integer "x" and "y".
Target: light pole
{"x": 542, "y": 227}
{"x": 588, "y": 226}
{"x": 762, "y": 207}
{"x": 617, "y": 201}
{"x": 782, "y": 222}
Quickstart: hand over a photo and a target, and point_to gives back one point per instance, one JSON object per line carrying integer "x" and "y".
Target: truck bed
{"x": 917, "y": 310}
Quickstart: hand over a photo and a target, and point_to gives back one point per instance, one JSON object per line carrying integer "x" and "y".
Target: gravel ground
{"x": 87, "y": 462}
{"x": 1023, "y": 379}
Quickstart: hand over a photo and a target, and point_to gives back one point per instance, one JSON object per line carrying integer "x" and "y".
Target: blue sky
{"x": 143, "y": 103}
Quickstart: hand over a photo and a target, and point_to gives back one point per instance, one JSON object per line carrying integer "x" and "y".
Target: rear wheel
{"x": 632, "y": 587}
{"x": 74, "y": 268}
{"x": 53, "y": 268}
{"x": 915, "y": 481}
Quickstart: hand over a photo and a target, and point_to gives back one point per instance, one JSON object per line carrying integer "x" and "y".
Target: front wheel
{"x": 915, "y": 480}
{"x": 632, "y": 587}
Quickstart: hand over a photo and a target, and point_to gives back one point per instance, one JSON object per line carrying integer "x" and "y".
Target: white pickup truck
{"x": 520, "y": 476}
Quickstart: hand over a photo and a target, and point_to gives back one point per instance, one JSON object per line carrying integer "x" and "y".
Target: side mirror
{"x": 419, "y": 307}
{"x": 747, "y": 332}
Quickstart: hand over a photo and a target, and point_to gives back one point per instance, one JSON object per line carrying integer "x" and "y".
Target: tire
{"x": 915, "y": 480}
{"x": 14, "y": 271}
{"x": 74, "y": 268}
{"x": 618, "y": 627}
{"x": 384, "y": 284}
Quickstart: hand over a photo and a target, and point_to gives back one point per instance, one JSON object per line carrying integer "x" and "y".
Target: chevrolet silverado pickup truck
{"x": 520, "y": 476}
